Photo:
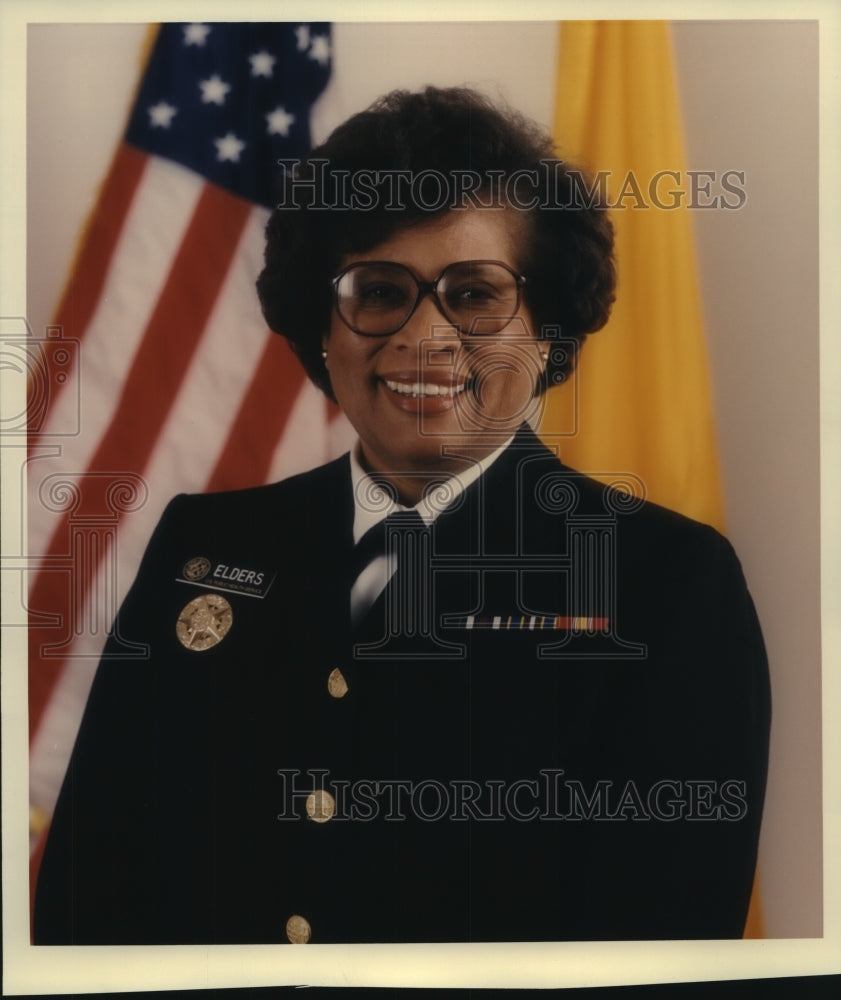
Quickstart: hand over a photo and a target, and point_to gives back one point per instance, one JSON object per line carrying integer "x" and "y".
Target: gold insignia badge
{"x": 204, "y": 622}
{"x": 196, "y": 569}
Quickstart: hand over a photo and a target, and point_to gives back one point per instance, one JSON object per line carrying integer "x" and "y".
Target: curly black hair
{"x": 345, "y": 198}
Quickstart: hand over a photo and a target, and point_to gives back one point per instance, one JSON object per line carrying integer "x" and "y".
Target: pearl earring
{"x": 324, "y": 355}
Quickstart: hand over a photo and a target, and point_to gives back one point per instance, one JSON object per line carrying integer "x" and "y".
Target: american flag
{"x": 159, "y": 375}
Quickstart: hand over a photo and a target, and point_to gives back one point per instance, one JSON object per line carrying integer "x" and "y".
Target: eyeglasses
{"x": 377, "y": 298}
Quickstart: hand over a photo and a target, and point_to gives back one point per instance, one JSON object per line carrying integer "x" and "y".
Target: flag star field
{"x": 229, "y": 100}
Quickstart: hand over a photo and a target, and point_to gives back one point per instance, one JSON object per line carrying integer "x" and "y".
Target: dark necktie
{"x": 404, "y": 606}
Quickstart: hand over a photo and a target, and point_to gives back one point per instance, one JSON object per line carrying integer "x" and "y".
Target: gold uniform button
{"x": 336, "y": 684}
{"x": 320, "y": 806}
{"x": 298, "y": 929}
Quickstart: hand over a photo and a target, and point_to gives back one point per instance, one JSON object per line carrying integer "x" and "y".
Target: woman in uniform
{"x": 443, "y": 688}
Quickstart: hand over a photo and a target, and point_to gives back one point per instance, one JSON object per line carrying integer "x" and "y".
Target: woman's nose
{"x": 427, "y": 325}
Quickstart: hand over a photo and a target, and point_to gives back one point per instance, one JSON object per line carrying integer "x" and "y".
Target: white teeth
{"x": 424, "y": 388}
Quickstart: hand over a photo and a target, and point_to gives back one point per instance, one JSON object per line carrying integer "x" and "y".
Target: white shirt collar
{"x": 372, "y": 503}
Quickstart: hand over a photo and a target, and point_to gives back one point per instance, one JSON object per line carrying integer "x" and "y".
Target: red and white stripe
{"x": 183, "y": 389}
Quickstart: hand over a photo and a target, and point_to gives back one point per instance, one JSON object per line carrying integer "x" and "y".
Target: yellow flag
{"x": 641, "y": 400}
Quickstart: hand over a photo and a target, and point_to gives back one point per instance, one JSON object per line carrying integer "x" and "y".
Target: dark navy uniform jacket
{"x": 576, "y": 749}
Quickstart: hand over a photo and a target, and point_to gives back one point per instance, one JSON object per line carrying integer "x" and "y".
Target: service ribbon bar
{"x": 532, "y": 623}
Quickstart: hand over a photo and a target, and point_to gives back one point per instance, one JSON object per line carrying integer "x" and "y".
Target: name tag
{"x": 231, "y": 577}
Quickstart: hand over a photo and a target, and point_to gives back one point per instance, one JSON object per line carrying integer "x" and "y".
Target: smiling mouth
{"x": 420, "y": 390}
